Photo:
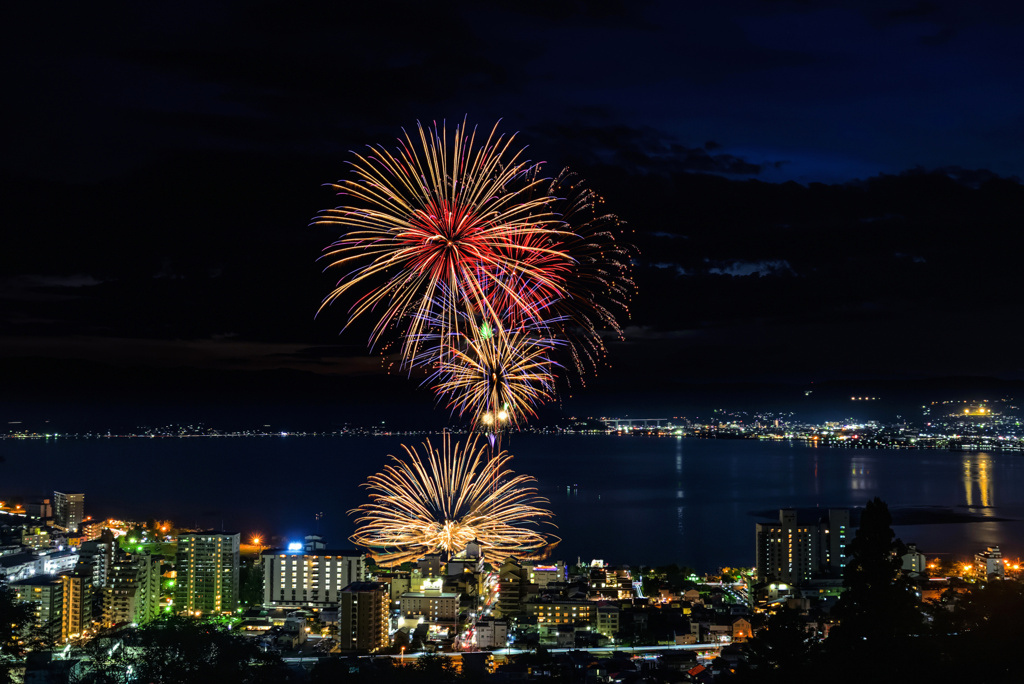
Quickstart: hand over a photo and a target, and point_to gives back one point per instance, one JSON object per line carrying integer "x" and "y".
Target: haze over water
{"x": 636, "y": 500}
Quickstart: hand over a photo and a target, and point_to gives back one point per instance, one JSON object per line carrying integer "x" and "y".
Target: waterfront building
{"x": 363, "y": 617}
{"x": 990, "y": 563}
{"x": 914, "y": 562}
{"x": 793, "y": 551}
{"x": 309, "y": 575}
{"x": 68, "y": 510}
{"x": 207, "y": 564}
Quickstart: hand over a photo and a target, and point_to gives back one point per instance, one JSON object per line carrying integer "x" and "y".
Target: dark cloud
{"x": 162, "y": 164}
{"x": 753, "y": 268}
{"x": 644, "y": 150}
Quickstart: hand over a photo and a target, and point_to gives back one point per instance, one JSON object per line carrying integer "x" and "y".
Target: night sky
{"x": 820, "y": 191}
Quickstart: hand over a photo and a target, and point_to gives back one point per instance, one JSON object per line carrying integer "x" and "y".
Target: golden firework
{"x": 496, "y": 375}
{"x": 452, "y": 496}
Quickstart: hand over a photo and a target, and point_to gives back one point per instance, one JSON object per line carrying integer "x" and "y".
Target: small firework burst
{"x": 496, "y": 376}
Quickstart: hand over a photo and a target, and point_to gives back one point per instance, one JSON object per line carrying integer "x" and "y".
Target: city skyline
{"x": 818, "y": 193}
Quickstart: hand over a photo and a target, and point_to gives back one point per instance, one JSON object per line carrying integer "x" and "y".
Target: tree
{"x": 879, "y": 602}
{"x": 250, "y": 585}
{"x": 180, "y": 650}
{"x": 976, "y": 627}
{"x": 781, "y": 649}
{"x": 15, "y": 619}
{"x": 878, "y": 611}
{"x": 435, "y": 669}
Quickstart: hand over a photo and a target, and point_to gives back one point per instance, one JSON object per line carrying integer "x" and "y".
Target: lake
{"x": 637, "y": 500}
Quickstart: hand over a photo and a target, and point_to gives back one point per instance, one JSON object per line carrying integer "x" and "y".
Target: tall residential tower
{"x": 207, "y": 568}
{"x": 794, "y": 550}
{"x": 68, "y": 510}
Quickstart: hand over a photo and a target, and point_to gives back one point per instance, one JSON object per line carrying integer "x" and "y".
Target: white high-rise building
{"x": 309, "y": 576}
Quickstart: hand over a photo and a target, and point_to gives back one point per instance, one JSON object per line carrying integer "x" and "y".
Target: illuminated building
{"x": 543, "y": 573}
{"x": 307, "y": 575}
{"x": 561, "y": 611}
{"x": 35, "y": 537}
{"x": 604, "y": 583}
{"x": 512, "y": 588}
{"x": 45, "y": 593}
{"x": 132, "y": 593}
{"x": 991, "y": 563}
{"x": 68, "y": 510}
{"x": 793, "y": 551}
{"x": 207, "y": 567}
{"x": 363, "y": 617}
{"x": 97, "y": 556}
{"x": 608, "y": 620}
{"x": 436, "y": 606}
{"x": 913, "y": 561}
{"x": 400, "y": 582}
{"x": 40, "y": 510}
{"x": 469, "y": 559}
{"x": 491, "y": 633}
{"x": 92, "y": 529}
{"x": 76, "y": 604}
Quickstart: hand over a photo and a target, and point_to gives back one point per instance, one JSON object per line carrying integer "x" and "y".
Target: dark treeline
{"x": 884, "y": 633}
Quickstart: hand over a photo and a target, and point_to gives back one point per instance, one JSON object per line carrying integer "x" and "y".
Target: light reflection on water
{"x": 624, "y": 499}
{"x": 977, "y": 467}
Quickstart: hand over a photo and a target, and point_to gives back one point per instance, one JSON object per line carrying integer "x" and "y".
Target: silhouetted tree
{"x": 180, "y": 650}
{"x": 250, "y": 585}
{"x": 435, "y": 669}
{"x": 976, "y": 628}
{"x": 879, "y": 601}
{"x": 877, "y": 612}
{"x": 14, "y": 622}
{"x": 781, "y": 648}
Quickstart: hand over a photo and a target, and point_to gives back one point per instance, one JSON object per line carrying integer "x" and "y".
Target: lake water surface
{"x": 623, "y": 499}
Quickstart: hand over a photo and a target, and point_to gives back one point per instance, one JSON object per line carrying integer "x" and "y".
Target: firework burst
{"x": 601, "y": 286}
{"x": 497, "y": 375}
{"x": 438, "y": 227}
{"x": 452, "y": 496}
